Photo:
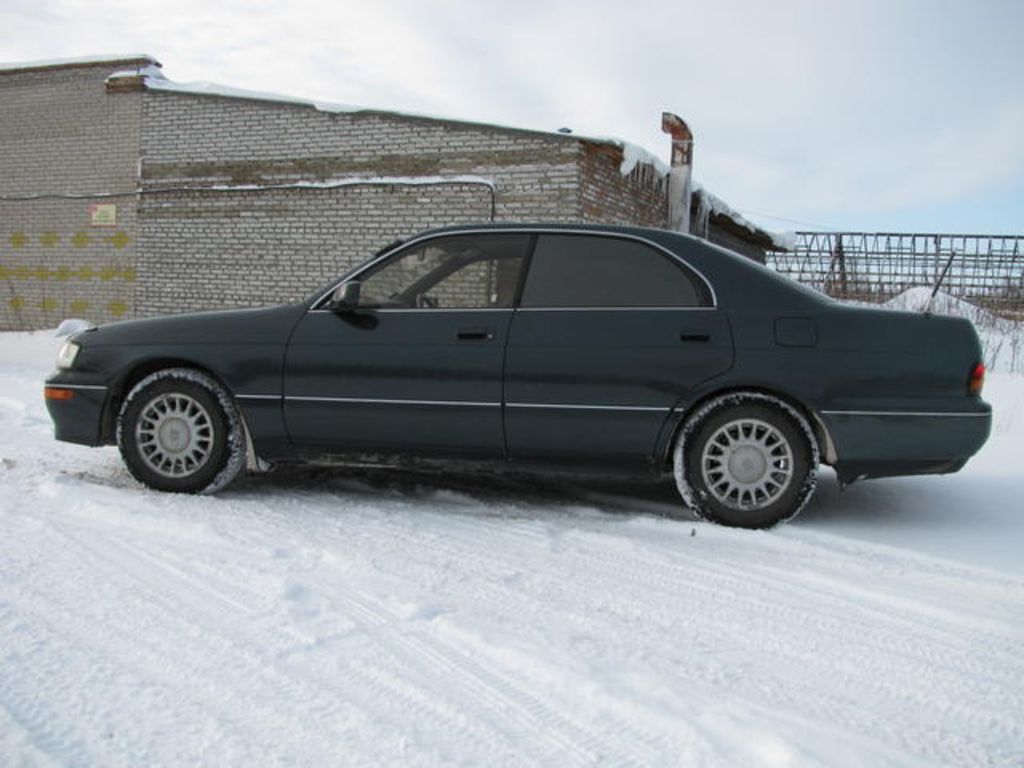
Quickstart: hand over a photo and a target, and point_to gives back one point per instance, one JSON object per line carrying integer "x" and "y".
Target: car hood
{"x": 234, "y": 326}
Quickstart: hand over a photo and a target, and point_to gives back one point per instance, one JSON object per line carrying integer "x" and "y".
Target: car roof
{"x": 559, "y": 226}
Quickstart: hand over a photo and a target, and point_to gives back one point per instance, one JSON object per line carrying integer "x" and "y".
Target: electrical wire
{"x": 313, "y": 185}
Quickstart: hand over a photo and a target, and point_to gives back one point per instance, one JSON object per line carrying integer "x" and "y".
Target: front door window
{"x": 464, "y": 272}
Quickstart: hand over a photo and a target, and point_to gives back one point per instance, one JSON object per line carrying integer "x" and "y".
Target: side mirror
{"x": 345, "y": 297}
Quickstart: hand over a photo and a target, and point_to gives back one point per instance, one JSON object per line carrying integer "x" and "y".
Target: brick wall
{"x": 234, "y": 249}
{"x": 62, "y": 136}
{"x": 608, "y": 197}
{"x": 298, "y": 238}
{"x": 202, "y": 234}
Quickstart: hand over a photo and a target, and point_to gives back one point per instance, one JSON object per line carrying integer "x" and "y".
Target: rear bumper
{"x": 78, "y": 419}
{"x": 890, "y": 443}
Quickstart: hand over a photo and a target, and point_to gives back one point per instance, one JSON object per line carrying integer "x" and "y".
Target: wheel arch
{"x": 132, "y": 375}
{"x": 824, "y": 445}
{"x": 229, "y": 441}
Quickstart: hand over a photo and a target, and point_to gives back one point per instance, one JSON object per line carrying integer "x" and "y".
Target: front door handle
{"x": 475, "y": 334}
{"x": 698, "y": 336}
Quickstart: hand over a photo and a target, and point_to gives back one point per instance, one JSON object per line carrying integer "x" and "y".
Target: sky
{"x": 901, "y": 115}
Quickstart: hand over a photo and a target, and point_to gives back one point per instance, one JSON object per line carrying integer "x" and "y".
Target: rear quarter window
{"x": 589, "y": 271}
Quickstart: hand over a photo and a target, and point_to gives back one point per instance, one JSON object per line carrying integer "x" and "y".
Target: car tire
{"x": 746, "y": 461}
{"x": 179, "y": 430}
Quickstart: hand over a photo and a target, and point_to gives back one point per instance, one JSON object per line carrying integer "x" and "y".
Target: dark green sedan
{"x": 583, "y": 347}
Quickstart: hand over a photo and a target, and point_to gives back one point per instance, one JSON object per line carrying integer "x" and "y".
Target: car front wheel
{"x": 746, "y": 460}
{"x": 178, "y": 430}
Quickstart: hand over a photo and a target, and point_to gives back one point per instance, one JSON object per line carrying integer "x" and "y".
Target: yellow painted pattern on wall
{"x": 79, "y": 239}
{"x": 78, "y": 306}
{"x": 65, "y": 273}
{"x": 27, "y": 268}
{"x": 118, "y": 239}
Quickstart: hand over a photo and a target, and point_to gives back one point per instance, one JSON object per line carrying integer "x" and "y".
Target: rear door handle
{"x": 475, "y": 334}
{"x": 695, "y": 336}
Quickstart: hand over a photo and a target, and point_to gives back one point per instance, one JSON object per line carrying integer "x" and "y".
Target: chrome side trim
{"x": 258, "y": 397}
{"x": 472, "y": 404}
{"x": 444, "y": 310}
{"x": 383, "y": 401}
{"x": 434, "y": 310}
{"x": 616, "y": 309}
{"x": 98, "y": 387}
{"x": 905, "y": 413}
{"x": 521, "y": 231}
{"x": 574, "y": 407}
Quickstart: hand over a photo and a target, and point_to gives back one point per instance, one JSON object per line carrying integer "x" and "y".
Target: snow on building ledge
{"x": 354, "y": 181}
{"x": 149, "y": 76}
{"x": 708, "y": 205}
{"x": 634, "y": 155}
{"x": 121, "y": 60}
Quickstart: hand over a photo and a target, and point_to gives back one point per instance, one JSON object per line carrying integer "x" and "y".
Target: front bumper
{"x": 79, "y": 418}
{"x": 891, "y": 443}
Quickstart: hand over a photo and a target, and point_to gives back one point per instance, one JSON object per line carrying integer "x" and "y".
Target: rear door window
{"x": 587, "y": 271}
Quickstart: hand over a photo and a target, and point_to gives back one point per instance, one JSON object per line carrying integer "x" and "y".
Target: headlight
{"x": 66, "y": 356}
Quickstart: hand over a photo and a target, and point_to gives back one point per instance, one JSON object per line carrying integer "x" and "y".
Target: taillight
{"x": 977, "y": 379}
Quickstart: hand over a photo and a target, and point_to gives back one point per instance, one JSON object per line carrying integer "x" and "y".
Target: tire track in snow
{"x": 956, "y": 690}
{"x": 657, "y": 743}
{"x": 254, "y": 718}
{"x": 899, "y": 662}
{"x": 890, "y": 648}
{"x": 384, "y": 615}
{"x": 780, "y": 690}
{"x": 599, "y": 569}
{"x": 495, "y": 689}
{"x": 118, "y": 556}
{"x": 571, "y": 742}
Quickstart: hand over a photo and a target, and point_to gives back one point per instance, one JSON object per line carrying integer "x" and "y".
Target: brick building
{"x": 124, "y": 194}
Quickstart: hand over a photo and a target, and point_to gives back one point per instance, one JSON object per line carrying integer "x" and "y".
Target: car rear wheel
{"x": 747, "y": 461}
{"x": 178, "y": 430}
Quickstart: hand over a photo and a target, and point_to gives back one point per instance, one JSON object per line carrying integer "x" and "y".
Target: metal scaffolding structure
{"x": 987, "y": 270}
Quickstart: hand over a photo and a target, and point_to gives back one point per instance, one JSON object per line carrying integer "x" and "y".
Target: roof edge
{"x": 144, "y": 59}
{"x": 159, "y": 83}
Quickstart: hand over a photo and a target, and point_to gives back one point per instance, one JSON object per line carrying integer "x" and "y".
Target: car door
{"x": 610, "y": 334}
{"x": 416, "y": 364}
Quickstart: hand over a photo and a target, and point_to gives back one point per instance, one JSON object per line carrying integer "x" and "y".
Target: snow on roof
{"x": 77, "y": 61}
{"x": 785, "y": 241}
{"x": 154, "y": 79}
{"x": 633, "y": 155}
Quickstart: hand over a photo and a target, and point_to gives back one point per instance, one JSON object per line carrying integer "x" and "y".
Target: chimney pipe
{"x": 680, "y": 188}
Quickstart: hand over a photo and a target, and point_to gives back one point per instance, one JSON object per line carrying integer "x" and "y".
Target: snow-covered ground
{"x": 386, "y": 618}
